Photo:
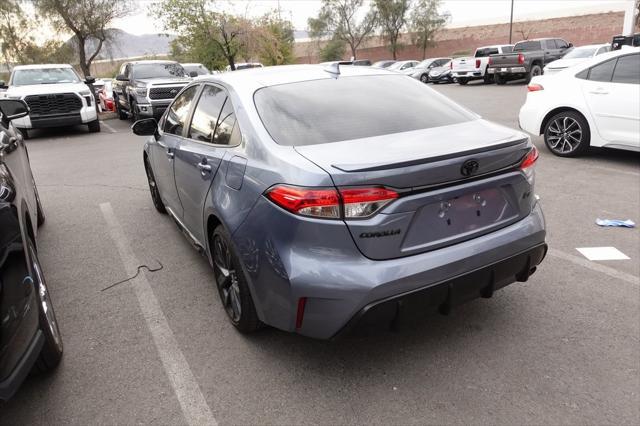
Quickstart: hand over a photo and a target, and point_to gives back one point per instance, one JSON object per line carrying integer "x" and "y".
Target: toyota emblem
{"x": 174, "y": 91}
{"x": 469, "y": 167}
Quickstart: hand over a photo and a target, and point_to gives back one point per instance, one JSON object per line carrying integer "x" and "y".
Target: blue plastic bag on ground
{"x": 614, "y": 222}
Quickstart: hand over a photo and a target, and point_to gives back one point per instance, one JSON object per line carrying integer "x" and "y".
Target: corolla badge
{"x": 469, "y": 167}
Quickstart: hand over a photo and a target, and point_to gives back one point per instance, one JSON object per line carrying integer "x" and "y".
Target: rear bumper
{"x": 507, "y": 70}
{"x": 443, "y": 296}
{"x": 10, "y": 385}
{"x": 467, "y": 74}
{"x": 287, "y": 258}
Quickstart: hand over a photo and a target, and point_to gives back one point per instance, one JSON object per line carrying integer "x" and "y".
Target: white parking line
{"x": 111, "y": 129}
{"x": 194, "y": 406}
{"x": 613, "y": 273}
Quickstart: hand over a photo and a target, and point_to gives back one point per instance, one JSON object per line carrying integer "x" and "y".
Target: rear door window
{"x": 603, "y": 71}
{"x": 226, "y": 125}
{"x": 346, "y": 108}
{"x": 179, "y": 111}
{"x": 627, "y": 70}
{"x": 205, "y": 116}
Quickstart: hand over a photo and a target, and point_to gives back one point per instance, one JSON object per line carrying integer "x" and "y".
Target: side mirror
{"x": 121, "y": 77}
{"x": 145, "y": 127}
{"x": 12, "y": 109}
{"x": 193, "y": 73}
{"x": 89, "y": 79}
{"x": 3, "y": 85}
{"x": 570, "y": 44}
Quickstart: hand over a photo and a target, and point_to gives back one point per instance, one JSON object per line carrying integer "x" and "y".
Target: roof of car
{"x": 255, "y": 78}
{"x": 40, "y": 66}
{"x": 152, "y": 61}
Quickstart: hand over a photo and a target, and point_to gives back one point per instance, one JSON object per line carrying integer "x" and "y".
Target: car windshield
{"x": 580, "y": 52}
{"x": 527, "y": 45}
{"x": 397, "y": 65}
{"x": 26, "y": 77}
{"x": 201, "y": 70}
{"x": 383, "y": 64}
{"x": 347, "y": 108}
{"x": 424, "y": 63}
{"x": 158, "y": 70}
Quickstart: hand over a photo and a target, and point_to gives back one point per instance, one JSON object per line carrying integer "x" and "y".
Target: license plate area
{"x": 461, "y": 217}
{"x": 504, "y": 69}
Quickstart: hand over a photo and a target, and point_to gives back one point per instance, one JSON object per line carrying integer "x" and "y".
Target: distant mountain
{"x": 125, "y": 45}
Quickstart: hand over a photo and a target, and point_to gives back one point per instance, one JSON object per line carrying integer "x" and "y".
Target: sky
{"x": 463, "y": 12}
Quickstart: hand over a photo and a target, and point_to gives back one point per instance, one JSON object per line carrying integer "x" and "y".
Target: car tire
{"x": 52, "y": 350}
{"x": 122, "y": 115}
{"x": 499, "y": 79}
{"x": 232, "y": 284}
{"x": 24, "y": 133}
{"x": 567, "y": 134}
{"x": 463, "y": 81}
{"x": 424, "y": 78}
{"x": 487, "y": 78}
{"x": 94, "y": 126}
{"x": 134, "y": 111}
{"x": 533, "y": 72}
{"x": 40, "y": 217}
{"x": 153, "y": 188}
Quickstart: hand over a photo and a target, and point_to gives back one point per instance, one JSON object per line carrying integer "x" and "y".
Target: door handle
{"x": 204, "y": 168}
{"x": 170, "y": 154}
{"x": 599, "y": 92}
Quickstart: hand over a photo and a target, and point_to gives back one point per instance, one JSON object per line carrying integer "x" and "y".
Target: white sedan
{"x": 595, "y": 103}
{"x": 575, "y": 56}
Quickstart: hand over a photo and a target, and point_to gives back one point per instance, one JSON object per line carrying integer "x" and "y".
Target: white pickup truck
{"x": 475, "y": 68}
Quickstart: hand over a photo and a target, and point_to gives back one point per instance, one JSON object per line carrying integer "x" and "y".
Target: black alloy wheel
{"x": 232, "y": 284}
{"x": 153, "y": 188}
{"x": 52, "y": 350}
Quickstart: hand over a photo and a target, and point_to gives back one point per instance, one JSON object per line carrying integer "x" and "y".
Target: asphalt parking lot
{"x": 561, "y": 348}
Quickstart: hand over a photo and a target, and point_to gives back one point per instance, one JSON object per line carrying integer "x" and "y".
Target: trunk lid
{"x": 438, "y": 204}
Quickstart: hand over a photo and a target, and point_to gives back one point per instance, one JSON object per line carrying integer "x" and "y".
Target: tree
{"x": 332, "y": 51}
{"x": 338, "y": 19}
{"x": 87, "y": 20}
{"x": 275, "y": 39}
{"x": 392, "y": 17}
{"x": 17, "y": 43}
{"x": 203, "y": 32}
{"x": 426, "y": 21}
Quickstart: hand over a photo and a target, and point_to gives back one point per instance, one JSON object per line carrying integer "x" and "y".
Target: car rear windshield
{"x": 346, "y": 108}
{"x": 527, "y": 45}
{"x": 481, "y": 53}
{"x": 158, "y": 70}
{"x": 44, "y": 76}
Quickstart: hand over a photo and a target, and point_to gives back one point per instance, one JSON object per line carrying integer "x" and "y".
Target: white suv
{"x": 56, "y": 96}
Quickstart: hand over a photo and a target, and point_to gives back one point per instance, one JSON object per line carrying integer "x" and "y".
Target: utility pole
{"x": 511, "y": 22}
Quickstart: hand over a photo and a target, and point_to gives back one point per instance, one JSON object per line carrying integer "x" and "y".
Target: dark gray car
{"x": 327, "y": 200}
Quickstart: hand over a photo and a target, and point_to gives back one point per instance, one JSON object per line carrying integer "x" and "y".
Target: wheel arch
{"x": 557, "y": 110}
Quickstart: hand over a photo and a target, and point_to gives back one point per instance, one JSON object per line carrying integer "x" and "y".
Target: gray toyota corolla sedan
{"x": 327, "y": 198}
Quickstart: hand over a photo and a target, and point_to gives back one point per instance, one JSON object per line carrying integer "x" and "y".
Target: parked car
{"x": 575, "y": 56}
{"x": 103, "y": 90}
{"x": 403, "y": 66}
{"x": 245, "y": 66}
{"x": 145, "y": 88}
{"x": 313, "y": 225}
{"x": 29, "y": 336}
{"x": 56, "y": 96}
{"x": 441, "y": 74}
{"x": 595, "y": 103}
{"x": 421, "y": 71}
{"x": 358, "y": 62}
{"x": 631, "y": 40}
{"x": 195, "y": 69}
{"x": 383, "y": 64}
{"x": 528, "y": 59}
{"x": 467, "y": 69}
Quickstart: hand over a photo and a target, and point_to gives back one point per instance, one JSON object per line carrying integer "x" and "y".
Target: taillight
{"x": 528, "y": 163}
{"x": 327, "y": 203}
{"x": 477, "y": 63}
{"x": 315, "y": 202}
{"x": 364, "y": 202}
{"x": 490, "y": 60}
{"x": 534, "y": 87}
{"x": 520, "y": 58}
